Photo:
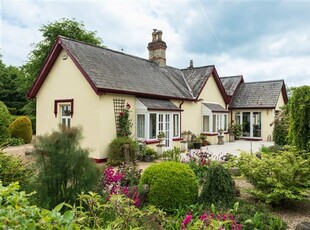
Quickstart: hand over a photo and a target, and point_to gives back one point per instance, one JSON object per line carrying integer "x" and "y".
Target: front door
{"x": 164, "y": 125}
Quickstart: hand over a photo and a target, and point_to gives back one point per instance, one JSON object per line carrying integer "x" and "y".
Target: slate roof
{"x": 112, "y": 70}
{"x": 231, "y": 83}
{"x": 215, "y": 107}
{"x": 262, "y": 94}
{"x": 197, "y": 77}
{"x": 154, "y": 104}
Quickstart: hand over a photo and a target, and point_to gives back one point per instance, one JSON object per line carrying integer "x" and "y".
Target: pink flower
{"x": 187, "y": 220}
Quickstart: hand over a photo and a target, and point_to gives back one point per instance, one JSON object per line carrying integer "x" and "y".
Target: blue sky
{"x": 259, "y": 39}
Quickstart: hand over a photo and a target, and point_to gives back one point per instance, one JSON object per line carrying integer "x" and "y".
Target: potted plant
{"x": 184, "y": 135}
{"x": 197, "y": 142}
{"x": 221, "y": 131}
{"x": 147, "y": 154}
{"x": 204, "y": 141}
{"x": 161, "y": 137}
{"x": 189, "y": 136}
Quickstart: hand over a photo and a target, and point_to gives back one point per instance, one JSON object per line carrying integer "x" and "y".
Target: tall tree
{"x": 65, "y": 27}
{"x": 299, "y": 132}
{"x": 10, "y": 93}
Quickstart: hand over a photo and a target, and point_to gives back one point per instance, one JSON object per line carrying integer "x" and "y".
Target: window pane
{"x": 68, "y": 122}
{"x": 214, "y": 123}
{"x": 206, "y": 124}
{"x": 66, "y": 109}
{"x": 225, "y": 122}
{"x": 175, "y": 125}
{"x": 160, "y": 123}
{"x": 152, "y": 134}
{"x": 141, "y": 126}
{"x": 257, "y": 132}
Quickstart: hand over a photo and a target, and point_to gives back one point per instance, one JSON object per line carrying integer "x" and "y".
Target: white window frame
{"x": 65, "y": 119}
{"x": 161, "y": 123}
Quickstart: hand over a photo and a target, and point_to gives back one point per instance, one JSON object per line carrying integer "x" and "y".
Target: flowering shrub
{"x": 212, "y": 220}
{"x": 125, "y": 123}
{"x": 199, "y": 163}
{"x": 116, "y": 182}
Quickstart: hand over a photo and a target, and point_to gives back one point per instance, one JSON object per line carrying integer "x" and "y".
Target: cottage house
{"x": 88, "y": 86}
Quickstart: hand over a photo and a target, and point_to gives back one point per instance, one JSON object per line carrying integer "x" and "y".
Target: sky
{"x": 259, "y": 39}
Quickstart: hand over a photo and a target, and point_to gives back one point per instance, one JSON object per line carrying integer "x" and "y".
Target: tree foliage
{"x": 64, "y": 169}
{"x": 299, "y": 132}
{"x": 10, "y": 88}
{"x": 5, "y": 119}
{"x": 281, "y": 127}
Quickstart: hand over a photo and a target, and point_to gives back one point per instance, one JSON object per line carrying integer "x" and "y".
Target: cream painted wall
{"x": 191, "y": 117}
{"x": 107, "y": 128}
{"x": 65, "y": 81}
{"x": 280, "y": 102}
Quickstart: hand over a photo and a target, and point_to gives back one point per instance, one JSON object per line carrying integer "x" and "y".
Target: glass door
{"x": 246, "y": 124}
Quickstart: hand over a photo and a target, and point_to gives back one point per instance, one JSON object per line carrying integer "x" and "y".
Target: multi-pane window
{"x": 141, "y": 125}
{"x": 219, "y": 121}
{"x": 65, "y": 115}
{"x": 150, "y": 124}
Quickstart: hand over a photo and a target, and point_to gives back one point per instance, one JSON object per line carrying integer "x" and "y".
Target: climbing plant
{"x": 299, "y": 132}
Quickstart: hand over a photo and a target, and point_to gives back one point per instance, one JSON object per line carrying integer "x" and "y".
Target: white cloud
{"x": 257, "y": 52}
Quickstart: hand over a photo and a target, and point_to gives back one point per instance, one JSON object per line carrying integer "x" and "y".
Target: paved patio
{"x": 238, "y": 146}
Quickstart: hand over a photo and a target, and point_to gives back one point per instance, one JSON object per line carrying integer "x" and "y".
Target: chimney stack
{"x": 191, "y": 64}
{"x": 157, "y": 48}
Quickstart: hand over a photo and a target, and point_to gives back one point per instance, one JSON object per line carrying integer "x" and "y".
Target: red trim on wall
{"x": 149, "y": 142}
{"x": 56, "y": 102}
{"x": 177, "y": 139}
{"x": 98, "y": 161}
{"x": 210, "y": 134}
{"x": 251, "y": 138}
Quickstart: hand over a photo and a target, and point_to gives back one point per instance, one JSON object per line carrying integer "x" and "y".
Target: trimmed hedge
{"x": 171, "y": 185}
{"x": 21, "y": 127}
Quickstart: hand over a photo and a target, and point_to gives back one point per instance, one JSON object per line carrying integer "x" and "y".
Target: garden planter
{"x": 189, "y": 137}
{"x": 147, "y": 158}
{"x": 197, "y": 145}
{"x": 161, "y": 140}
{"x": 184, "y": 136}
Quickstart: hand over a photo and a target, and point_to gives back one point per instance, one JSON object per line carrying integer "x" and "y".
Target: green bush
{"x": 218, "y": 188}
{"x": 17, "y": 213}
{"x": 64, "y": 168}
{"x": 5, "y": 119}
{"x": 260, "y": 217}
{"x": 277, "y": 177}
{"x": 21, "y": 128}
{"x": 12, "y": 141}
{"x": 171, "y": 185}
{"x": 118, "y": 148}
{"x": 12, "y": 170}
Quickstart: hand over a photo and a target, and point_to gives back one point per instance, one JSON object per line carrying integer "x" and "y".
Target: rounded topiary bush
{"x": 5, "y": 119}
{"x": 21, "y": 127}
{"x": 218, "y": 188}
{"x": 171, "y": 185}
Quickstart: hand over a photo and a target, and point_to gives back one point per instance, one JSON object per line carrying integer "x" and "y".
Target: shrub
{"x": 17, "y": 213}
{"x": 277, "y": 177}
{"x": 12, "y": 141}
{"x": 21, "y": 128}
{"x": 5, "y": 119}
{"x": 64, "y": 169}
{"x": 118, "y": 148}
{"x": 218, "y": 188}
{"x": 172, "y": 154}
{"x": 259, "y": 214}
{"x": 13, "y": 170}
{"x": 171, "y": 185}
